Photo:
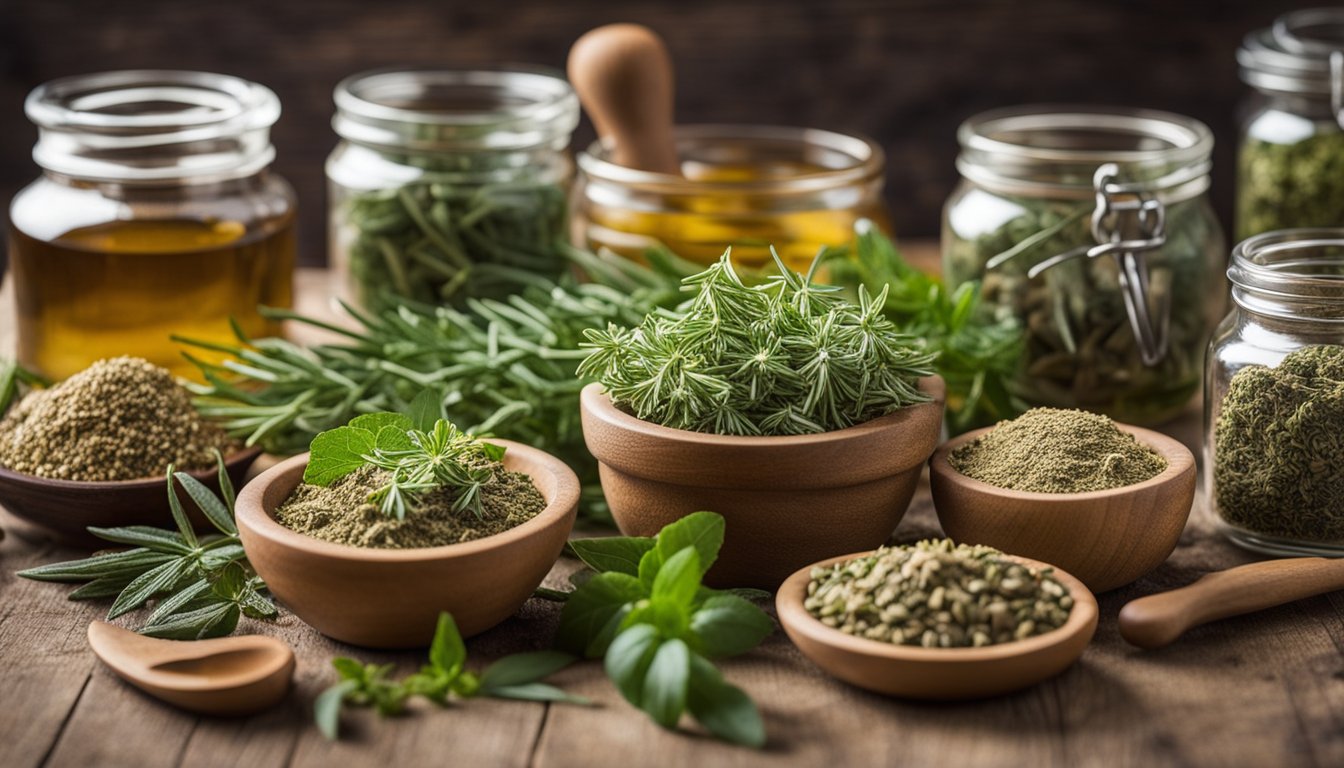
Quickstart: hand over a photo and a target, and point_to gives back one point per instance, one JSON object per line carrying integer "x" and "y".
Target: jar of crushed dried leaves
{"x": 119, "y": 419}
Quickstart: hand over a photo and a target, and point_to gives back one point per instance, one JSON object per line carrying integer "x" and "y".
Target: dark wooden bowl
{"x": 66, "y": 508}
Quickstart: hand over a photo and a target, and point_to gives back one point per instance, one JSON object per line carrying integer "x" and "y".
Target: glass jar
{"x": 748, "y": 187}
{"x": 444, "y": 177}
{"x": 1274, "y": 396}
{"x": 1093, "y": 229}
{"x": 1290, "y": 167}
{"x": 155, "y": 215}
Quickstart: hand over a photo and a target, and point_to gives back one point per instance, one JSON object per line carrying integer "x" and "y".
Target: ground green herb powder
{"x": 119, "y": 419}
{"x": 341, "y": 512}
{"x": 1278, "y": 460}
{"x": 1052, "y": 450}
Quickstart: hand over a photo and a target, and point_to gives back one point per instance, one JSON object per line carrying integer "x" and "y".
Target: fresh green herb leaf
{"x": 616, "y": 553}
{"x": 701, "y": 530}
{"x": 536, "y": 692}
{"x": 375, "y": 422}
{"x": 327, "y": 707}
{"x": 724, "y": 709}
{"x": 678, "y": 580}
{"x": 447, "y": 654}
{"x": 627, "y": 660}
{"x": 591, "y": 608}
{"x": 665, "y": 684}
{"x": 336, "y": 453}
{"x": 425, "y": 410}
{"x": 522, "y": 668}
{"x": 727, "y": 625}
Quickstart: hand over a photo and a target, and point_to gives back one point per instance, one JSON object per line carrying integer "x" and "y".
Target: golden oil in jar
{"x": 127, "y": 287}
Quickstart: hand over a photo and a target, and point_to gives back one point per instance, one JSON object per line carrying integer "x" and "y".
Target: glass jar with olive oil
{"x": 155, "y": 215}
{"x": 749, "y": 187}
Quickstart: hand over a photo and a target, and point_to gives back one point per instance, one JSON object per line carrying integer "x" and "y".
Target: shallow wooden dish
{"x": 1105, "y": 538}
{"x": 938, "y": 674}
{"x": 788, "y": 501}
{"x": 391, "y": 598}
{"x": 67, "y": 508}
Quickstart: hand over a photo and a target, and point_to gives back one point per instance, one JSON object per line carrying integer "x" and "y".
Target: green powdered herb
{"x": 937, "y": 594}
{"x": 342, "y": 513}
{"x": 1298, "y": 184}
{"x": 120, "y": 419}
{"x": 1279, "y": 445}
{"x": 1050, "y": 450}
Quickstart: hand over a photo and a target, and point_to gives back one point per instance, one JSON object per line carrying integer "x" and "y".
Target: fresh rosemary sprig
{"x": 202, "y": 584}
{"x": 784, "y": 357}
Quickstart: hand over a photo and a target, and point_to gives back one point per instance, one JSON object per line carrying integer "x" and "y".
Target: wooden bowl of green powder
{"x": 1105, "y": 501}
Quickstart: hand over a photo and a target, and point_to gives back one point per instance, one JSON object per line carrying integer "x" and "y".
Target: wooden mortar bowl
{"x": 1105, "y": 538}
{"x": 391, "y": 598}
{"x": 787, "y": 501}
{"x": 939, "y": 674}
{"x": 67, "y": 508}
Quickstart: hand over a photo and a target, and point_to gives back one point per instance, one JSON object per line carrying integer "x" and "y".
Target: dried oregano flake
{"x": 937, "y": 594}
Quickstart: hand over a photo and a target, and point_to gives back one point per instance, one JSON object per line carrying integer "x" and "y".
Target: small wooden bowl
{"x": 391, "y": 598}
{"x": 1105, "y": 538}
{"x": 67, "y": 508}
{"x": 787, "y": 500}
{"x": 937, "y": 674}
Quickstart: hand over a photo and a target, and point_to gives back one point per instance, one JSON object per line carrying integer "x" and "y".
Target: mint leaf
{"x": 615, "y": 553}
{"x": 425, "y": 410}
{"x": 336, "y": 453}
{"x": 591, "y": 608}
{"x": 727, "y": 625}
{"x": 391, "y": 439}
{"x": 723, "y": 708}
{"x": 678, "y": 579}
{"x": 374, "y": 422}
{"x": 628, "y": 659}
{"x": 666, "y": 682}
{"x": 522, "y": 668}
{"x": 447, "y": 653}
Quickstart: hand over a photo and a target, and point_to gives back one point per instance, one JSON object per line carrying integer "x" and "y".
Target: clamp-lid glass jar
{"x": 1274, "y": 396}
{"x": 444, "y": 177}
{"x": 1092, "y": 227}
{"x": 155, "y": 215}
{"x": 745, "y": 186}
{"x": 1290, "y": 169}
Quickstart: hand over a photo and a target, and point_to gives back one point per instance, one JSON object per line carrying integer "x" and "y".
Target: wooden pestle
{"x": 623, "y": 76}
{"x": 1157, "y": 620}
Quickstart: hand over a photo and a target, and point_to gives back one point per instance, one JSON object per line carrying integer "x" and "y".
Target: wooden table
{"x": 1266, "y": 689}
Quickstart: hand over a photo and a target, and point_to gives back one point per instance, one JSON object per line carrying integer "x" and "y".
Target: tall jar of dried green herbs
{"x": 1274, "y": 397}
{"x": 445, "y": 181}
{"x": 1290, "y": 168}
{"x": 1092, "y": 227}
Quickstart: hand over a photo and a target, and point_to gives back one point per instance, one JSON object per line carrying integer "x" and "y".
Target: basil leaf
{"x": 535, "y": 692}
{"x": 327, "y": 707}
{"x": 425, "y": 410}
{"x": 602, "y": 640}
{"x": 155, "y": 539}
{"x": 727, "y": 625}
{"x": 523, "y": 668}
{"x": 591, "y": 607}
{"x": 220, "y": 516}
{"x": 702, "y": 530}
{"x": 336, "y": 453}
{"x": 678, "y": 579}
{"x": 374, "y": 422}
{"x": 628, "y": 659}
{"x": 617, "y": 553}
{"x": 665, "y": 683}
{"x": 447, "y": 653}
{"x": 722, "y": 708}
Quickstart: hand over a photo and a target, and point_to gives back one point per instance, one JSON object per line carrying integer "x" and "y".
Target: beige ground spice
{"x": 340, "y": 513}
{"x": 119, "y": 419}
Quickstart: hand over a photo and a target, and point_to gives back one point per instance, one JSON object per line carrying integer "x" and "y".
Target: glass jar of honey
{"x": 748, "y": 187}
{"x": 155, "y": 215}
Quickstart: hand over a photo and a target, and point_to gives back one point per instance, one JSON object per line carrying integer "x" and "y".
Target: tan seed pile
{"x": 120, "y": 419}
{"x": 937, "y": 594}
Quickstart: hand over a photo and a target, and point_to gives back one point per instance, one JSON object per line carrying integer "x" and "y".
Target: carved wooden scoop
{"x": 224, "y": 676}
{"x": 1157, "y": 620}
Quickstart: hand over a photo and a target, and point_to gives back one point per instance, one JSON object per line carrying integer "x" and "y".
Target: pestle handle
{"x": 623, "y": 75}
{"x": 1157, "y": 620}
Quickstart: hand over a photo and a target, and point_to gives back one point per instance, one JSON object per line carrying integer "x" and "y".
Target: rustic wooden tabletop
{"x": 1266, "y": 689}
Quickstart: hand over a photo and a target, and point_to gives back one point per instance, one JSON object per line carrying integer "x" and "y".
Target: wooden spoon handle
{"x": 623, "y": 75}
{"x": 1156, "y": 620}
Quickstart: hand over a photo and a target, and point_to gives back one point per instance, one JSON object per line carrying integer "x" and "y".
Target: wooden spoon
{"x": 623, "y": 75}
{"x": 224, "y": 676}
{"x": 1157, "y": 620}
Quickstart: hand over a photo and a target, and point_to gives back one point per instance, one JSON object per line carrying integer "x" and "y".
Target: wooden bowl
{"x": 67, "y": 508}
{"x": 1105, "y": 538}
{"x": 391, "y": 598}
{"x": 940, "y": 674}
{"x": 787, "y": 501}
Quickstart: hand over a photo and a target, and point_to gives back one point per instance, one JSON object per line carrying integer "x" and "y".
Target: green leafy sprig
{"x": 443, "y": 679}
{"x": 202, "y": 584}
{"x": 646, "y": 614}
{"x": 419, "y": 453}
{"x": 783, "y": 357}
{"x": 15, "y": 380}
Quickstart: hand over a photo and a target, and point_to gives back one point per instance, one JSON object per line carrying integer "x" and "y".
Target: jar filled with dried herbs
{"x": 448, "y": 183}
{"x": 1290, "y": 170}
{"x": 1092, "y": 227}
{"x": 1275, "y": 392}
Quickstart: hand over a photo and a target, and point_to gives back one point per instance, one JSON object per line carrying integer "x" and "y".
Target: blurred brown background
{"x": 905, "y": 72}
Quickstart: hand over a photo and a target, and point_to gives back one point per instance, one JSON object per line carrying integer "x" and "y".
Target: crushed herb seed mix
{"x": 120, "y": 419}
{"x": 1052, "y": 450}
{"x": 937, "y": 594}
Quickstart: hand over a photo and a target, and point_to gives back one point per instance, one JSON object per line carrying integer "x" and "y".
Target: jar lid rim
{"x": 1285, "y": 56}
{"x": 1273, "y": 266}
{"x": 82, "y": 102}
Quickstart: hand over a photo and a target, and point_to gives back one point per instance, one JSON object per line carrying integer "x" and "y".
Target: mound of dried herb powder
{"x": 1279, "y": 447}
{"x": 1054, "y": 450}
{"x": 1294, "y": 184}
{"x": 343, "y": 514}
{"x": 122, "y": 418}
{"x": 937, "y": 594}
